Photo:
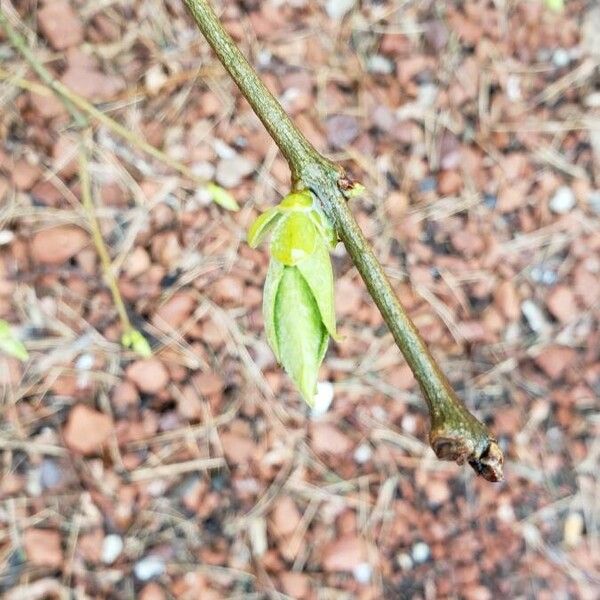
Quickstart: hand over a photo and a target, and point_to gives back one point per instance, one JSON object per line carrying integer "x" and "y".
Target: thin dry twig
{"x": 101, "y": 249}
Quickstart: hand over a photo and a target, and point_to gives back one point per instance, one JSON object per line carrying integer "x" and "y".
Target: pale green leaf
{"x": 9, "y": 344}
{"x": 300, "y": 332}
{"x": 222, "y": 197}
{"x": 262, "y": 225}
{"x": 294, "y": 238}
{"x": 318, "y": 274}
{"x": 272, "y": 281}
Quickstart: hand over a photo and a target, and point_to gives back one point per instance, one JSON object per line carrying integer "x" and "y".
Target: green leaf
{"x": 300, "y": 332}
{"x": 297, "y": 201}
{"x": 9, "y": 344}
{"x": 294, "y": 238}
{"x": 318, "y": 274}
{"x": 222, "y": 197}
{"x": 262, "y": 225}
{"x": 272, "y": 281}
{"x": 135, "y": 340}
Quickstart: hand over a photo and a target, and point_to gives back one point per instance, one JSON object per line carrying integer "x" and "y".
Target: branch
{"x": 455, "y": 433}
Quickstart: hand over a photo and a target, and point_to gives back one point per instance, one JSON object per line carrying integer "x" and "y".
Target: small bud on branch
{"x": 298, "y": 305}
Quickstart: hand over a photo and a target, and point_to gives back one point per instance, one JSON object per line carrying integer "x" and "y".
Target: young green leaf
{"x": 274, "y": 275}
{"x": 135, "y": 340}
{"x": 294, "y": 238}
{"x": 318, "y": 274}
{"x": 222, "y": 197}
{"x": 302, "y": 200}
{"x": 262, "y": 225}
{"x": 300, "y": 332}
{"x": 10, "y": 345}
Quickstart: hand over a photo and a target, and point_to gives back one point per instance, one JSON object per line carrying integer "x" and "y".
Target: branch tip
{"x": 460, "y": 449}
{"x": 490, "y": 464}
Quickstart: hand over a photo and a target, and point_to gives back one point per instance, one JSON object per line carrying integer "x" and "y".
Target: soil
{"x": 199, "y": 472}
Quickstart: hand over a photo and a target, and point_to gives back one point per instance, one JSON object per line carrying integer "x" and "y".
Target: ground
{"x": 199, "y": 472}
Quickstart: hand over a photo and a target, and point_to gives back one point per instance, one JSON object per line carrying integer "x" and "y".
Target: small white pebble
{"x": 112, "y": 546}
{"x": 592, "y": 100}
{"x": 544, "y": 276}
{"x": 257, "y": 531}
{"x": 505, "y": 512}
{"x": 380, "y": 64}
{"x": 420, "y": 552}
{"x": 573, "y": 529}
{"x": 561, "y": 58}
{"x": 534, "y": 316}
{"x": 337, "y": 9}
{"x": 427, "y": 94}
{"x": 85, "y": 362}
{"x": 513, "y": 88}
{"x": 363, "y": 572}
{"x": 6, "y": 237}
{"x": 531, "y": 534}
{"x": 223, "y": 150}
{"x": 149, "y": 568}
{"x": 379, "y": 413}
{"x": 409, "y": 423}
{"x": 404, "y": 562}
{"x": 322, "y": 400}
{"x": 264, "y": 58}
{"x": 363, "y": 453}
{"x": 155, "y": 78}
{"x": 563, "y": 200}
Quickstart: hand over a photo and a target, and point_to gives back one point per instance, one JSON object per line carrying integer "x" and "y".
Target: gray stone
{"x": 50, "y": 474}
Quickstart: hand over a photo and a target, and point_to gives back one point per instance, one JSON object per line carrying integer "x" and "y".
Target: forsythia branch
{"x": 455, "y": 433}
